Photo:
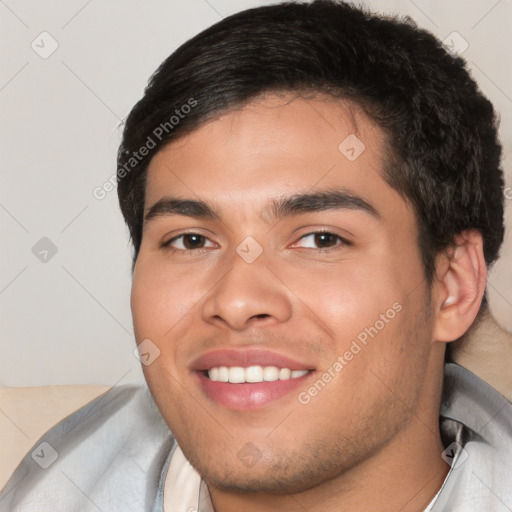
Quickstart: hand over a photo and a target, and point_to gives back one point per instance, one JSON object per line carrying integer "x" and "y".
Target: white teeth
{"x": 270, "y": 373}
{"x": 236, "y": 374}
{"x": 284, "y": 374}
{"x": 223, "y": 374}
{"x": 253, "y": 374}
{"x": 239, "y": 375}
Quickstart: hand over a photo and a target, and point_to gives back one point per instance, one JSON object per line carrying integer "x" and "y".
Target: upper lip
{"x": 246, "y": 357}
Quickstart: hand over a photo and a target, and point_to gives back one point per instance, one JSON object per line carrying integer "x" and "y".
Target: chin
{"x": 276, "y": 474}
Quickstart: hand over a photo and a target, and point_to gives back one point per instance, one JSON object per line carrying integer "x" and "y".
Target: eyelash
{"x": 167, "y": 245}
{"x": 342, "y": 242}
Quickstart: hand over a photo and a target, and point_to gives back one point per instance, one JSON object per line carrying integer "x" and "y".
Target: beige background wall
{"x": 66, "y": 320}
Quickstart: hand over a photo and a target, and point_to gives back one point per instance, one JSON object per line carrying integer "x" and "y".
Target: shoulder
{"x": 481, "y": 473}
{"x": 118, "y": 436}
{"x": 29, "y": 412}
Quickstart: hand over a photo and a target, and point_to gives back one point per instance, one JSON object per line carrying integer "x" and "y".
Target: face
{"x": 280, "y": 278}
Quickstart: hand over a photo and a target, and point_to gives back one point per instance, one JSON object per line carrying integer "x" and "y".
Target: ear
{"x": 459, "y": 287}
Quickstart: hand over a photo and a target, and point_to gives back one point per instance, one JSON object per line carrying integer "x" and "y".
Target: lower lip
{"x": 247, "y": 396}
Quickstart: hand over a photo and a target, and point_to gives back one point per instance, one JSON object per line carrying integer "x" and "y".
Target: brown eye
{"x": 321, "y": 240}
{"x": 188, "y": 242}
{"x": 193, "y": 241}
{"x": 325, "y": 239}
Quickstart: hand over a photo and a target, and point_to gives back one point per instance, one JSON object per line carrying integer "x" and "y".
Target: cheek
{"x": 161, "y": 298}
{"x": 160, "y": 301}
{"x": 345, "y": 297}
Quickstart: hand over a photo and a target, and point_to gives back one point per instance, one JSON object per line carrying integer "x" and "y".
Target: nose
{"x": 249, "y": 294}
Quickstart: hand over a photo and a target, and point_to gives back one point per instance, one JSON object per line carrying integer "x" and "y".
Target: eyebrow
{"x": 279, "y": 208}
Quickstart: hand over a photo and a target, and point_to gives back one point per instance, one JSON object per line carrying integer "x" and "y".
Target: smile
{"x": 253, "y": 374}
{"x": 249, "y": 378}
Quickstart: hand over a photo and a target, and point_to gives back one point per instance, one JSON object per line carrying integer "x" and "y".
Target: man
{"x": 314, "y": 197}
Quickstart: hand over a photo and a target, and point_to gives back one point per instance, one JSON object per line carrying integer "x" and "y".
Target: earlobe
{"x": 460, "y": 286}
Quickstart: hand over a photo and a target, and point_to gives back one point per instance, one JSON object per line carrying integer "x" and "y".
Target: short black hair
{"x": 444, "y": 153}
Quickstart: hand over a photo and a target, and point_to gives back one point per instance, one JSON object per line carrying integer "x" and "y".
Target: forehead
{"x": 275, "y": 145}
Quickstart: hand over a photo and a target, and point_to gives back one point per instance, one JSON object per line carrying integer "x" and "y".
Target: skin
{"x": 369, "y": 440}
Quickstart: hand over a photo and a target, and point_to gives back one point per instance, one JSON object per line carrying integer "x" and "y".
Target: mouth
{"x": 246, "y": 380}
{"x": 252, "y": 374}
